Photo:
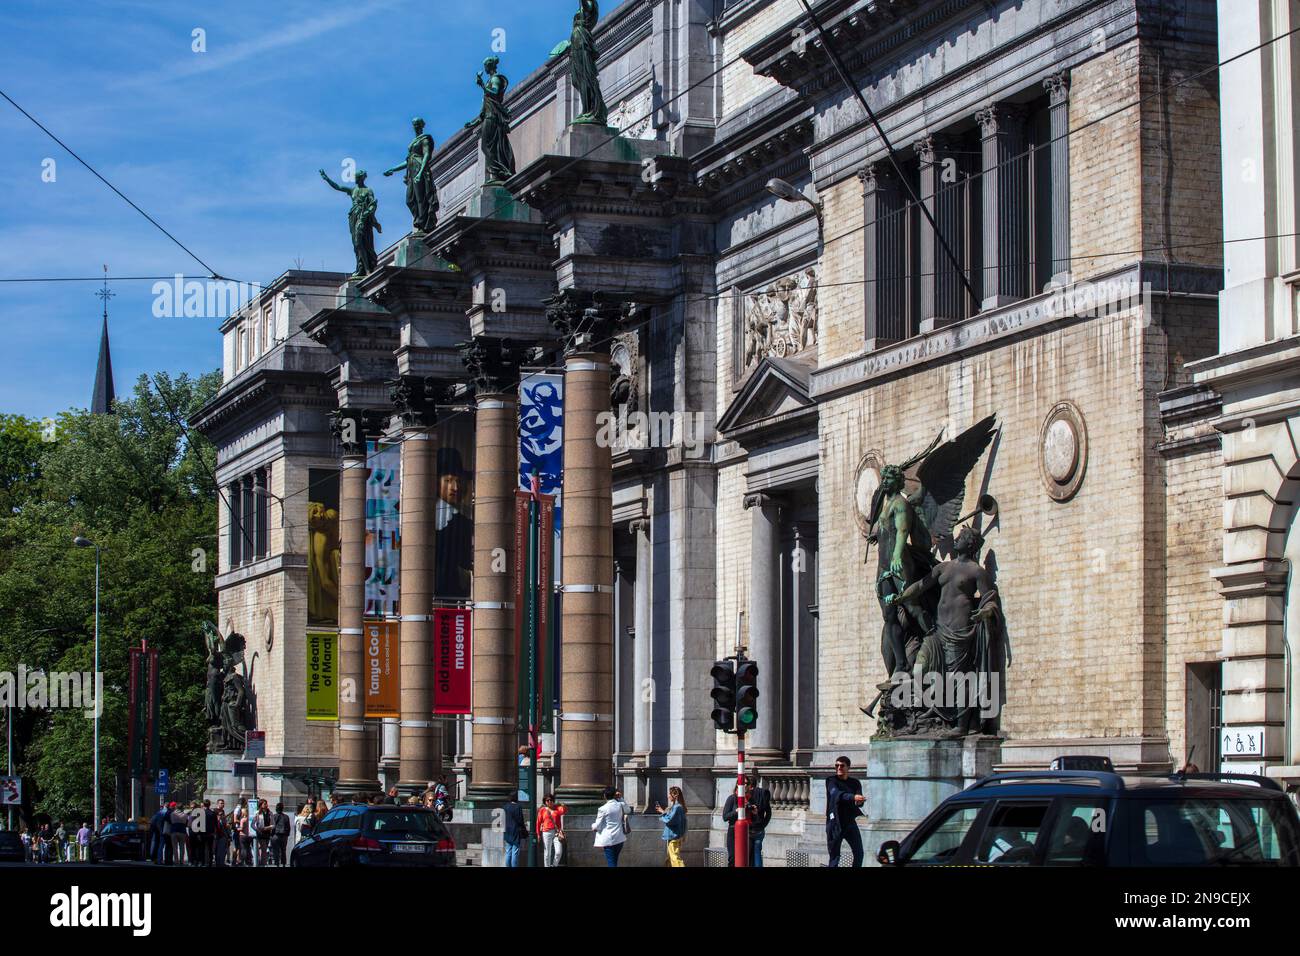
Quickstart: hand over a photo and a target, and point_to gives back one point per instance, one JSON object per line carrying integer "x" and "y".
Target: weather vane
{"x": 104, "y": 293}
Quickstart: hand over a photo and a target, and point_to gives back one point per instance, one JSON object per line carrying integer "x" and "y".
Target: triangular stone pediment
{"x": 776, "y": 387}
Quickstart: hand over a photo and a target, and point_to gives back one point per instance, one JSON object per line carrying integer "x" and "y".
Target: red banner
{"x": 452, "y": 645}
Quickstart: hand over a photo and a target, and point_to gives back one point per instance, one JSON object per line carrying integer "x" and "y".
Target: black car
{"x": 120, "y": 841}
{"x": 1094, "y": 818}
{"x": 377, "y": 835}
{"x": 11, "y": 847}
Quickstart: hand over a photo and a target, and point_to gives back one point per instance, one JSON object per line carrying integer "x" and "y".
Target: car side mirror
{"x": 887, "y": 855}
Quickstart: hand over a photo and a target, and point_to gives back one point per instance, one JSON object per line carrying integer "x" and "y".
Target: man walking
{"x": 159, "y": 847}
{"x": 83, "y": 842}
{"x": 221, "y": 835}
{"x": 178, "y": 828}
{"x": 516, "y": 831}
{"x": 844, "y": 802}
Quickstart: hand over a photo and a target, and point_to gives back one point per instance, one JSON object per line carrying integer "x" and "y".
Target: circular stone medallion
{"x": 1063, "y": 451}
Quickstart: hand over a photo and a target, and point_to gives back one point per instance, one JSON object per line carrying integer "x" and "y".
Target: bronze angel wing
{"x": 943, "y": 474}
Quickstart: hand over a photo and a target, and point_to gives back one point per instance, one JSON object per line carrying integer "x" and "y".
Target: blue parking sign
{"x": 162, "y": 786}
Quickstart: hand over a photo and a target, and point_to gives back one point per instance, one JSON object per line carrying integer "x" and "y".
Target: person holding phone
{"x": 844, "y": 801}
{"x": 674, "y": 821}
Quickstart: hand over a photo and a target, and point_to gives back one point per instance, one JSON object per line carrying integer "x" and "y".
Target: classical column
{"x": 587, "y": 324}
{"x": 358, "y": 770}
{"x": 1058, "y": 92}
{"x": 765, "y": 622}
{"x": 494, "y": 375}
{"x": 1006, "y": 275}
{"x": 886, "y": 254}
{"x": 943, "y": 296}
{"x": 421, "y": 752}
{"x": 642, "y": 643}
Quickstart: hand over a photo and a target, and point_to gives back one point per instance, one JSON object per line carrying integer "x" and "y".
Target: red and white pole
{"x": 742, "y": 815}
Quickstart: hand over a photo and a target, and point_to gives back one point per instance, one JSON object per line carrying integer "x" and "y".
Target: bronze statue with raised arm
{"x": 495, "y": 119}
{"x": 421, "y": 191}
{"x": 362, "y": 222}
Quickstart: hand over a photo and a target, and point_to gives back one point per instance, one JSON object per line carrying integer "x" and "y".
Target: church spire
{"x": 101, "y": 400}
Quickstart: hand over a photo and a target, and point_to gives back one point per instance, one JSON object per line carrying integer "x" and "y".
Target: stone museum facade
{"x": 1060, "y": 270}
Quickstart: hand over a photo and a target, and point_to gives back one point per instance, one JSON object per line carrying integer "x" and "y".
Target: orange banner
{"x": 383, "y": 685}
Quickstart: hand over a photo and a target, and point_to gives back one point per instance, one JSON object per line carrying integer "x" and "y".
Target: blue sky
{"x": 221, "y": 147}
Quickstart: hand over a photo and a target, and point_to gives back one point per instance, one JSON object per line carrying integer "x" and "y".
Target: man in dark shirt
{"x": 844, "y": 802}
{"x": 516, "y": 831}
{"x": 758, "y": 807}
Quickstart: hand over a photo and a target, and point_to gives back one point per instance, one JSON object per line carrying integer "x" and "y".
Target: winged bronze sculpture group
{"x": 942, "y": 623}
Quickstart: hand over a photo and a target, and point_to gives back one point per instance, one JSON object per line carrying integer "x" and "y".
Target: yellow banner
{"x": 322, "y": 676}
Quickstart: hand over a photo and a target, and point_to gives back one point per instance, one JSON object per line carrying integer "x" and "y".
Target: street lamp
{"x": 783, "y": 190}
{"x": 264, "y": 492}
{"x": 81, "y": 542}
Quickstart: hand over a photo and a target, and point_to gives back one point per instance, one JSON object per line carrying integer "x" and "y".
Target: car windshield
{"x": 113, "y": 828}
{"x": 403, "y": 824}
{"x": 1236, "y": 831}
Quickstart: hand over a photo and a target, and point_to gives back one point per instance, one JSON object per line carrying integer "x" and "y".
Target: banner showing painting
{"x": 322, "y": 676}
{"x": 381, "y": 651}
{"x": 453, "y": 515}
{"x": 383, "y": 528}
{"x": 451, "y": 660}
{"x": 323, "y": 550}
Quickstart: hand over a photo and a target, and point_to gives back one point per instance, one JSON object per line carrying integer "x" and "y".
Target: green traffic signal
{"x": 747, "y": 695}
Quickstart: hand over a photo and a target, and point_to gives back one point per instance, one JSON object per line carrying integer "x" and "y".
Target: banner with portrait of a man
{"x": 453, "y": 510}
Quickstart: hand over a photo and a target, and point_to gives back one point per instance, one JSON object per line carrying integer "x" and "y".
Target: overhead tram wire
{"x": 212, "y": 273}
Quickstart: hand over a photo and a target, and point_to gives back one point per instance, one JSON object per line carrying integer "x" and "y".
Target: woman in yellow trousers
{"x": 674, "y": 821}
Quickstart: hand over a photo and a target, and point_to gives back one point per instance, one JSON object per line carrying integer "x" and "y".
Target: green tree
{"x": 138, "y": 484}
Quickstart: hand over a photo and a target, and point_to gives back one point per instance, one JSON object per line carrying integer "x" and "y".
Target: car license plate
{"x": 409, "y": 848}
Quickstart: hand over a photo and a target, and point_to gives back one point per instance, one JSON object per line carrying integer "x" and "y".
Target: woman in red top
{"x": 550, "y": 824}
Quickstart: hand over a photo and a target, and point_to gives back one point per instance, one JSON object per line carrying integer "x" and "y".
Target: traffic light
{"x": 746, "y": 696}
{"x": 724, "y": 695}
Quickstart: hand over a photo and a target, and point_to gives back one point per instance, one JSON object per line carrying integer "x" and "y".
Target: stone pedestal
{"x": 412, "y": 253}
{"x": 349, "y": 297}
{"x": 603, "y": 144}
{"x": 221, "y": 783}
{"x": 495, "y": 202}
{"x": 907, "y": 778}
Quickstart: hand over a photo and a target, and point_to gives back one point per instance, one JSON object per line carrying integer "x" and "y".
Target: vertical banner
{"x": 453, "y": 511}
{"x": 143, "y": 697}
{"x": 452, "y": 645}
{"x": 382, "y": 654}
{"x": 532, "y": 596}
{"x": 383, "y": 528}
{"x": 541, "y": 451}
{"x": 323, "y": 549}
{"x": 322, "y": 676}
{"x": 541, "y": 440}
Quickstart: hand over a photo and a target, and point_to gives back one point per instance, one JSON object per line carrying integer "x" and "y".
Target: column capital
{"x": 588, "y": 321}
{"x": 1058, "y": 88}
{"x": 1000, "y": 118}
{"x": 639, "y": 526}
{"x": 929, "y": 149}
{"x": 354, "y": 426}
{"x": 878, "y": 176}
{"x": 762, "y": 499}
{"x": 416, "y": 398}
{"x": 493, "y": 363}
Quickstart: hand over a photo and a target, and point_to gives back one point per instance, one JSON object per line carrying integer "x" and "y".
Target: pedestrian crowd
{"x": 56, "y": 843}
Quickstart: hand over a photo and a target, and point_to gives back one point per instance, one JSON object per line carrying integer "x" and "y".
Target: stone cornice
{"x": 660, "y": 188}
{"x": 472, "y": 243}
{"x": 729, "y": 168}
{"x": 266, "y": 387}
{"x": 1250, "y": 365}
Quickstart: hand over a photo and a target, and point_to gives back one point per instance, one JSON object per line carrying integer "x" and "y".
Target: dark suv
{"x": 1093, "y": 818}
{"x": 377, "y": 835}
